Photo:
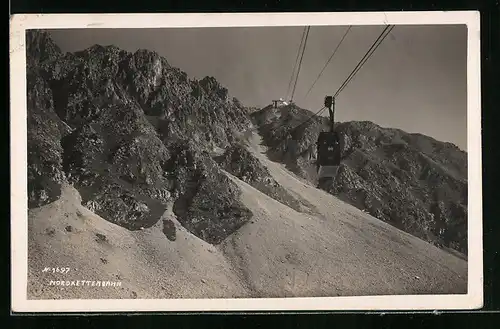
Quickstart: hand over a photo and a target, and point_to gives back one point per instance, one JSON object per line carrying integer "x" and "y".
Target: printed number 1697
{"x": 62, "y": 270}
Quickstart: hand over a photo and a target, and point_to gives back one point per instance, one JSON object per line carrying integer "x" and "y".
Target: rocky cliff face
{"x": 133, "y": 135}
{"x": 45, "y": 128}
{"x": 412, "y": 181}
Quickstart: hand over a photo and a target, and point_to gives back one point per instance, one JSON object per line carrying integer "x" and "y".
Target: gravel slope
{"x": 339, "y": 251}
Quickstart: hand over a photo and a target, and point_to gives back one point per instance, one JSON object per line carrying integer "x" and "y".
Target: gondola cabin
{"x": 328, "y": 160}
{"x": 328, "y": 149}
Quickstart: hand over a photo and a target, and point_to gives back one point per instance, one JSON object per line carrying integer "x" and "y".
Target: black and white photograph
{"x": 246, "y": 162}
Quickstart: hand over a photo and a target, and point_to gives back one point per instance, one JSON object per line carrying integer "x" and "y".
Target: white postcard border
{"x": 19, "y": 230}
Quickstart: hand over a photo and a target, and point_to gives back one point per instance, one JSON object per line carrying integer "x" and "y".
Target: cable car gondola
{"x": 329, "y": 149}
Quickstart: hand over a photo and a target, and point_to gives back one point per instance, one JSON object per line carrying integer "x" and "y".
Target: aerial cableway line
{"x": 290, "y": 84}
{"x": 365, "y": 58}
{"x": 320, "y": 73}
{"x": 329, "y": 149}
{"x": 356, "y": 69}
{"x": 328, "y": 61}
{"x": 300, "y": 63}
{"x": 328, "y": 141}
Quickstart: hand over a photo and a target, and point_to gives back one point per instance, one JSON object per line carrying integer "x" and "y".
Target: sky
{"x": 416, "y": 80}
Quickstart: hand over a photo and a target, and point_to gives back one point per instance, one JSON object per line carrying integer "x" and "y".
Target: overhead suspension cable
{"x": 300, "y": 63}
{"x": 310, "y": 118}
{"x": 365, "y": 58}
{"x": 296, "y": 63}
{"x": 387, "y": 30}
{"x": 297, "y": 126}
{"x": 328, "y": 61}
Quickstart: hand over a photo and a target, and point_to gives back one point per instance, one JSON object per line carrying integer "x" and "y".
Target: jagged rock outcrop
{"x": 110, "y": 122}
{"x": 207, "y": 202}
{"x": 412, "y": 181}
{"x": 41, "y": 49}
{"x": 45, "y": 130}
{"x": 116, "y": 161}
{"x": 290, "y": 134}
{"x": 238, "y": 161}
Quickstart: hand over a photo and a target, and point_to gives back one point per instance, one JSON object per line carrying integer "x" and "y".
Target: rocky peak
{"x": 211, "y": 86}
{"x": 41, "y": 48}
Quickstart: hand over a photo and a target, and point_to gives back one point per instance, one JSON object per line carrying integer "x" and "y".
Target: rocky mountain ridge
{"x": 133, "y": 135}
